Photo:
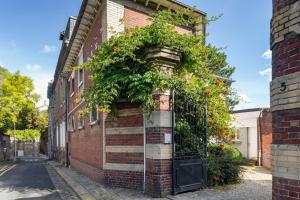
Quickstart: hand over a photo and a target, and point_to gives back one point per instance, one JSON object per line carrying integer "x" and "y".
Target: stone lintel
{"x": 159, "y": 119}
{"x": 159, "y": 151}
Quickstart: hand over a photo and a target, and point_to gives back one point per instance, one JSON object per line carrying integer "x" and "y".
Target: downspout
{"x": 248, "y": 154}
{"x": 144, "y": 124}
{"x": 66, "y": 122}
{"x": 259, "y": 140}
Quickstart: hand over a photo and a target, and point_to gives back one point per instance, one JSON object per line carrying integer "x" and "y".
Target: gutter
{"x": 61, "y": 65}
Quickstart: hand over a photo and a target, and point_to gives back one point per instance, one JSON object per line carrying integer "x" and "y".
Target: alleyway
{"x": 37, "y": 180}
{"x": 256, "y": 185}
{"x": 29, "y": 180}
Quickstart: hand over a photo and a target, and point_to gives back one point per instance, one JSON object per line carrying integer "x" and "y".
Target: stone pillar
{"x": 159, "y": 130}
{"x": 285, "y": 99}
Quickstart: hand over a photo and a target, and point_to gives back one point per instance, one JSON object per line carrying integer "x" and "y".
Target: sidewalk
{"x": 256, "y": 185}
{"x": 91, "y": 190}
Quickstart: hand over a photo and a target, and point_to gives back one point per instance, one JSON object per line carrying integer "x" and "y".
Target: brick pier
{"x": 285, "y": 99}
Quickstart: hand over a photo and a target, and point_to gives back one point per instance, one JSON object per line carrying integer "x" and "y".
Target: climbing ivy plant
{"x": 119, "y": 70}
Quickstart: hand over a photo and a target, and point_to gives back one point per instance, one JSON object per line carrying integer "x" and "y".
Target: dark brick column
{"x": 285, "y": 99}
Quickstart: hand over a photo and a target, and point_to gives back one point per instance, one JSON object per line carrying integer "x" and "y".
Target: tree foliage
{"x": 25, "y": 135}
{"x": 18, "y": 103}
{"x": 119, "y": 70}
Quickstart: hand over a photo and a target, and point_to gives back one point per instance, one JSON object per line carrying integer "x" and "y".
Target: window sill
{"x": 80, "y": 84}
{"x": 80, "y": 128}
{"x": 72, "y": 94}
{"x": 93, "y": 123}
{"x": 236, "y": 141}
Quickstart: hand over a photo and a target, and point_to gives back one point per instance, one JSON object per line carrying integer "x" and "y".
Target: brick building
{"x": 126, "y": 150}
{"x": 285, "y": 99}
{"x": 254, "y": 134}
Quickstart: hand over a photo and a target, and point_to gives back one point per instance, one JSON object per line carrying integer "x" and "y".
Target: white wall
{"x": 246, "y": 122}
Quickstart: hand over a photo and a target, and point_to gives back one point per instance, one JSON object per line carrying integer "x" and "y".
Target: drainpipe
{"x": 248, "y": 154}
{"x": 259, "y": 140}
{"x": 66, "y": 122}
{"x": 144, "y": 124}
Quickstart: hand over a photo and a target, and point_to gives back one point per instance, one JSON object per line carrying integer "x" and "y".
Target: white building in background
{"x": 246, "y": 140}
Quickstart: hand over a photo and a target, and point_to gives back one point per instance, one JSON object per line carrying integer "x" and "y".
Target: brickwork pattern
{"x": 285, "y": 102}
{"x": 290, "y": 97}
{"x": 93, "y": 173}
{"x": 124, "y": 142}
{"x": 156, "y": 135}
{"x": 285, "y": 20}
{"x": 266, "y": 136}
{"x": 126, "y": 179}
{"x": 285, "y": 189}
{"x": 286, "y": 128}
{"x": 286, "y": 161}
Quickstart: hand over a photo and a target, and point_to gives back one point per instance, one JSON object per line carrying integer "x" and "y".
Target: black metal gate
{"x": 189, "y": 144}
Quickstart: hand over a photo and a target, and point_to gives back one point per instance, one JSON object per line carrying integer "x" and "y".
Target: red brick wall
{"x": 286, "y": 56}
{"x": 285, "y": 46}
{"x": 125, "y": 114}
{"x": 283, "y": 130}
{"x": 94, "y": 173}
{"x": 265, "y": 124}
{"x": 126, "y": 179}
{"x": 134, "y": 18}
{"x": 86, "y": 144}
{"x": 285, "y": 189}
{"x": 159, "y": 177}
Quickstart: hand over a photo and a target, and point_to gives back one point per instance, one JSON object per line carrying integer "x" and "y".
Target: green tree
{"x": 16, "y": 96}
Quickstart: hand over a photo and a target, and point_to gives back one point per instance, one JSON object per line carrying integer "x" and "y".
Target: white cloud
{"x": 40, "y": 81}
{"x": 32, "y": 67}
{"x": 49, "y": 48}
{"x": 2, "y": 63}
{"x": 266, "y": 73}
{"x": 244, "y": 98}
{"x": 267, "y": 54}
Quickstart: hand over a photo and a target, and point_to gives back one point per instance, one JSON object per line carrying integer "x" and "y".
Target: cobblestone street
{"x": 256, "y": 185}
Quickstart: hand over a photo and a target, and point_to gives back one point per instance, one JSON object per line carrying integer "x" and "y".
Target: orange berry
{"x": 116, "y": 49}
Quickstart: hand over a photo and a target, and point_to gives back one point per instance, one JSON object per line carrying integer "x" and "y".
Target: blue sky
{"x": 30, "y": 29}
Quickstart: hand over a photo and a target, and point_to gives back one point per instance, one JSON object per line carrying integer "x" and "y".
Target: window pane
{"x": 94, "y": 115}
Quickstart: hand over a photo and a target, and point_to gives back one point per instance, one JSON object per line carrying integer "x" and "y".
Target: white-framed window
{"x": 57, "y": 136}
{"x": 80, "y": 71}
{"x": 62, "y": 134}
{"x": 94, "y": 116}
{"x": 71, "y": 123}
{"x": 237, "y": 136}
{"x": 80, "y": 122}
{"x": 72, "y": 84}
{"x": 80, "y": 77}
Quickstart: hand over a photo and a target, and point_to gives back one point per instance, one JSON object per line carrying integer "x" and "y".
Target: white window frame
{"x": 80, "y": 83}
{"x": 237, "y": 133}
{"x": 79, "y": 123}
{"x": 71, "y": 79}
{"x": 57, "y": 136}
{"x": 80, "y": 61}
{"x": 97, "y": 118}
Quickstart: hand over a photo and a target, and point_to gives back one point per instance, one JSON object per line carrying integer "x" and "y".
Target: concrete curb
{"x": 78, "y": 189}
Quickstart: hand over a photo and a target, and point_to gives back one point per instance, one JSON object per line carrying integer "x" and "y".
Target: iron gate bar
{"x": 189, "y": 158}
